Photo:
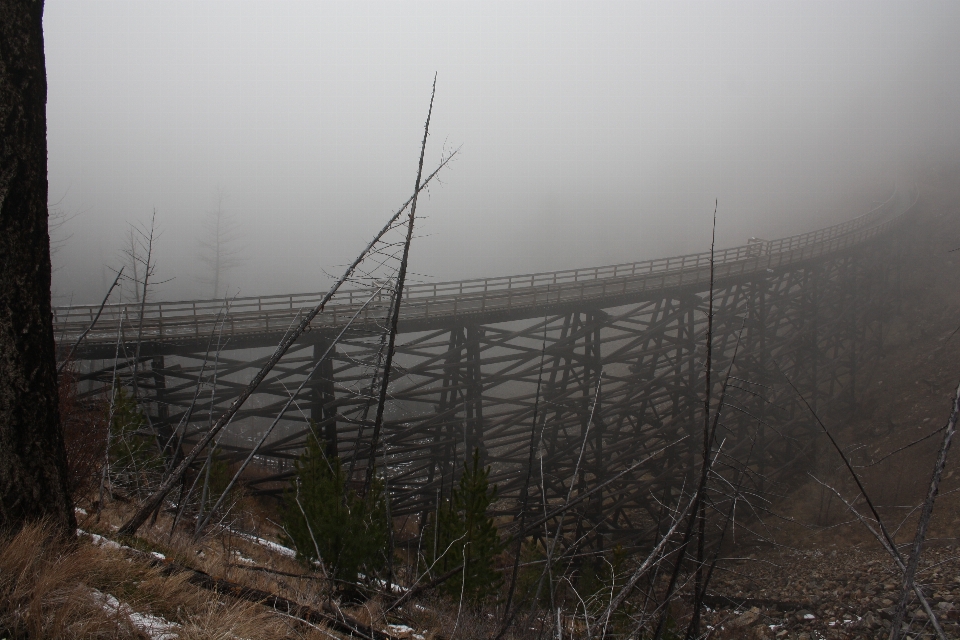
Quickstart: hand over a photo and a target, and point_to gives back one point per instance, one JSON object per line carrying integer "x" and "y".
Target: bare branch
{"x": 92, "y": 324}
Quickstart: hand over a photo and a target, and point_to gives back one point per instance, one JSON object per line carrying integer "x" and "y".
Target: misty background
{"x": 592, "y": 133}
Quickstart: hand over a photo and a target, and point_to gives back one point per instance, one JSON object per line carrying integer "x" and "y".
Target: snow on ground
{"x": 106, "y": 543}
{"x": 155, "y": 627}
{"x": 272, "y": 546}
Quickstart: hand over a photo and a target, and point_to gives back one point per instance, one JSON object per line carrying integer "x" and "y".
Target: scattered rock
{"x": 748, "y": 618}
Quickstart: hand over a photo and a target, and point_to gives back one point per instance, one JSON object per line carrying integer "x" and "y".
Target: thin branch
{"x": 143, "y": 303}
{"x": 702, "y": 515}
{"x": 83, "y": 335}
{"x": 525, "y": 492}
{"x": 894, "y": 553}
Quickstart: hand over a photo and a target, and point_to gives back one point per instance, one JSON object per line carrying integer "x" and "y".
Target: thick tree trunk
{"x": 32, "y": 457}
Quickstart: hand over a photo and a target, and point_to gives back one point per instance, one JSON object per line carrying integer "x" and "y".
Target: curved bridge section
{"x": 594, "y": 374}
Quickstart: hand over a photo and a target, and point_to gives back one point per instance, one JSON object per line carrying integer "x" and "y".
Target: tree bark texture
{"x": 32, "y": 456}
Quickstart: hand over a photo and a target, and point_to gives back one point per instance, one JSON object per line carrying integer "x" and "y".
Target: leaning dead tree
{"x": 153, "y": 502}
{"x": 397, "y": 301}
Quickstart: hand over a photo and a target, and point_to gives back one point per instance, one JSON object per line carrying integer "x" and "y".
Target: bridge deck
{"x": 261, "y": 320}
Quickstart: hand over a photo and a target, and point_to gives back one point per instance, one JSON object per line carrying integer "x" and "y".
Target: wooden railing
{"x": 274, "y": 314}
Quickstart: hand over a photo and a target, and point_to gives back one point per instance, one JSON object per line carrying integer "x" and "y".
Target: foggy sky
{"x": 591, "y": 133}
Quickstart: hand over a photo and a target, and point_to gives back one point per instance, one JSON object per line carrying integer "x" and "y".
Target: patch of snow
{"x": 154, "y": 626}
{"x": 399, "y": 628}
{"x": 386, "y": 586}
{"x": 80, "y": 511}
{"x": 99, "y": 541}
{"x": 107, "y": 543}
{"x": 273, "y": 546}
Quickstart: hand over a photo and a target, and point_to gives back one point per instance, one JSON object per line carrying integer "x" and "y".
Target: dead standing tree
{"x": 397, "y": 299}
{"x": 219, "y": 247}
{"x": 149, "y": 505}
{"x": 141, "y": 243}
{"x": 394, "y": 319}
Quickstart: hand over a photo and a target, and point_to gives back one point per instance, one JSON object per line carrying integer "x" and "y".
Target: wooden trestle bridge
{"x": 620, "y": 350}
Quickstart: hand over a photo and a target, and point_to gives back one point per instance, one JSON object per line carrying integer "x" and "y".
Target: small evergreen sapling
{"x": 133, "y": 453}
{"x": 321, "y": 517}
{"x": 471, "y": 536}
{"x": 218, "y": 479}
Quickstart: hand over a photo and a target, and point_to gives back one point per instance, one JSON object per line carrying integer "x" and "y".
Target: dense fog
{"x": 591, "y": 133}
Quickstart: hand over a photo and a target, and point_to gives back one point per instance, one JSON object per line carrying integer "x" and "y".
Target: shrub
{"x": 463, "y": 526}
{"x": 348, "y": 532}
{"x": 133, "y": 453}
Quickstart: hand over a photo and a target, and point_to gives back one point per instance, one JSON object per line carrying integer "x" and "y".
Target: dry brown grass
{"x": 50, "y": 588}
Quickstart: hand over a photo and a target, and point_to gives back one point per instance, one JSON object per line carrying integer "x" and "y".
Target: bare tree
{"x": 33, "y": 465}
{"x": 220, "y": 248}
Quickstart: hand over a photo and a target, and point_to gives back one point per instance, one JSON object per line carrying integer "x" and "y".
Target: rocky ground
{"x": 819, "y": 573}
{"x": 846, "y": 592}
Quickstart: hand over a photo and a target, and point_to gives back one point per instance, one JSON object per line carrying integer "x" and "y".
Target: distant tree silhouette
{"x": 220, "y": 247}
{"x": 33, "y": 469}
